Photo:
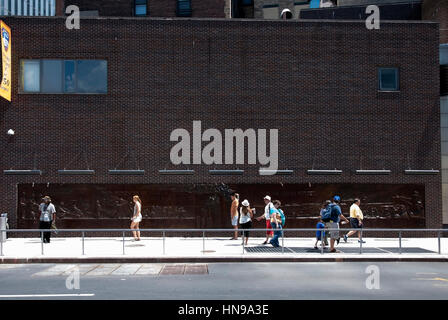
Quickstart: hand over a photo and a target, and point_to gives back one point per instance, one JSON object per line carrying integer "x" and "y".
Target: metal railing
{"x": 204, "y": 231}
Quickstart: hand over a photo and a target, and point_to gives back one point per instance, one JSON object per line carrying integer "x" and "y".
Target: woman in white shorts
{"x": 137, "y": 217}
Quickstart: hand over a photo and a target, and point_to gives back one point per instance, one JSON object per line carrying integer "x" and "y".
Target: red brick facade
{"x": 314, "y": 81}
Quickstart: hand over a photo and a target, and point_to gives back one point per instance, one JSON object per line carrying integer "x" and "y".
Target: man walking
{"x": 267, "y": 216}
{"x": 277, "y": 219}
{"x": 333, "y": 224}
{"x": 356, "y": 218}
{"x": 47, "y": 216}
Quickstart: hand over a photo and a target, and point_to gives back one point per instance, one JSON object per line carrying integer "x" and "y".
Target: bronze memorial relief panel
{"x": 208, "y": 205}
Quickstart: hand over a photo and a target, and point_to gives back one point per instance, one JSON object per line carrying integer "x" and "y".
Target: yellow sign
{"x": 5, "y": 86}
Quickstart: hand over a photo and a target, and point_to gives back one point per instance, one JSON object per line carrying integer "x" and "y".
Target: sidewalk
{"x": 215, "y": 249}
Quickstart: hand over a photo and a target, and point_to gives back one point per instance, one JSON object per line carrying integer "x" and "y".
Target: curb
{"x": 216, "y": 259}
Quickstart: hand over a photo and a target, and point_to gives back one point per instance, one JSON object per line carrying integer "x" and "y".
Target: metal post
{"x": 41, "y": 243}
{"x": 123, "y": 242}
{"x": 1, "y": 241}
{"x": 203, "y": 242}
{"x": 163, "y": 242}
{"x": 83, "y": 243}
{"x": 399, "y": 242}
{"x": 322, "y": 240}
{"x": 360, "y": 242}
{"x": 438, "y": 239}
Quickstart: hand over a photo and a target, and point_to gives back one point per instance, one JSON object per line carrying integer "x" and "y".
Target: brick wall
{"x": 437, "y": 10}
{"x": 314, "y": 81}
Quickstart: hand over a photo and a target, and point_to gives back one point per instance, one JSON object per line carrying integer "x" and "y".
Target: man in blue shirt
{"x": 333, "y": 224}
{"x": 276, "y": 223}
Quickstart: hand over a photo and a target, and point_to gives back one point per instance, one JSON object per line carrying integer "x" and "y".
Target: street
{"x": 321, "y": 280}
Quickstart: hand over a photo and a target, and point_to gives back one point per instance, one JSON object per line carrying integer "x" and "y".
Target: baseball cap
{"x": 267, "y": 198}
{"x": 245, "y": 203}
{"x": 337, "y": 198}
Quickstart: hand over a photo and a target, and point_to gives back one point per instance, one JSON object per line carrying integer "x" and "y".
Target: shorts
{"x": 354, "y": 223}
{"x": 137, "y": 219}
{"x": 269, "y": 232}
{"x": 246, "y": 225}
{"x": 235, "y": 220}
{"x": 334, "y": 234}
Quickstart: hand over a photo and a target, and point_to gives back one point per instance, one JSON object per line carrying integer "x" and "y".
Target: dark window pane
{"x": 69, "y": 76}
{"x": 91, "y": 76}
{"x": 140, "y": 2}
{"x": 30, "y": 75}
{"x": 388, "y": 79}
{"x": 51, "y": 76}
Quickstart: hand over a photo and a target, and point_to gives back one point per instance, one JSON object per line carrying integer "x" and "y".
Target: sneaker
{"x": 345, "y": 238}
{"x": 337, "y": 240}
{"x": 266, "y": 242}
{"x": 315, "y": 247}
{"x": 335, "y": 251}
{"x": 359, "y": 241}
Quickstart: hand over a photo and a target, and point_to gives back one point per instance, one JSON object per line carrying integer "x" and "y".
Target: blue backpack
{"x": 325, "y": 213}
{"x": 279, "y": 211}
{"x": 283, "y": 217}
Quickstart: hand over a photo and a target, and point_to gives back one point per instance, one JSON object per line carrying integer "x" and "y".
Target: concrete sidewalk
{"x": 214, "y": 249}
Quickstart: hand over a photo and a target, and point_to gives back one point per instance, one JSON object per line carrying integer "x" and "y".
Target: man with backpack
{"x": 331, "y": 216}
{"x": 277, "y": 222}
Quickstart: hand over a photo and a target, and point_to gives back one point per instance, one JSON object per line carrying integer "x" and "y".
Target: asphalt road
{"x": 235, "y": 281}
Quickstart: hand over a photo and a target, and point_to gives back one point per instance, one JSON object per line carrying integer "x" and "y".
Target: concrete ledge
{"x": 442, "y": 258}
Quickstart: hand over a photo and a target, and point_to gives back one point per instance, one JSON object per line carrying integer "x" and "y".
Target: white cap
{"x": 267, "y": 198}
{"x": 245, "y": 203}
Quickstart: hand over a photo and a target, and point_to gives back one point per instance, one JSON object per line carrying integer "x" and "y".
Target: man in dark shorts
{"x": 356, "y": 218}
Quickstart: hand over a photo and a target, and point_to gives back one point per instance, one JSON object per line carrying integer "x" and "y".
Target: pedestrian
{"x": 246, "y": 215}
{"x": 47, "y": 216}
{"x": 333, "y": 224}
{"x": 320, "y": 234}
{"x": 276, "y": 223}
{"x": 234, "y": 214}
{"x": 356, "y": 218}
{"x": 136, "y": 217}
{"x": 267, "y": 216}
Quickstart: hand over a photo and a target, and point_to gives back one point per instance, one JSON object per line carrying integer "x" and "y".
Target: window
{"x": 63, "y": 76}
{"x": 30, "y": 70}
{"x": 183, "y": 8}
{"x": 52, "y": 74}
{"x": 388, "y": 79}
{"x": 91, "y": 76}
{"x": 140, "y": 7}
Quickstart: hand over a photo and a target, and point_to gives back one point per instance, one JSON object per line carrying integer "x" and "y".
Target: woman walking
{"x": 246, "y": 215}
{"x": 137, "y": 217}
